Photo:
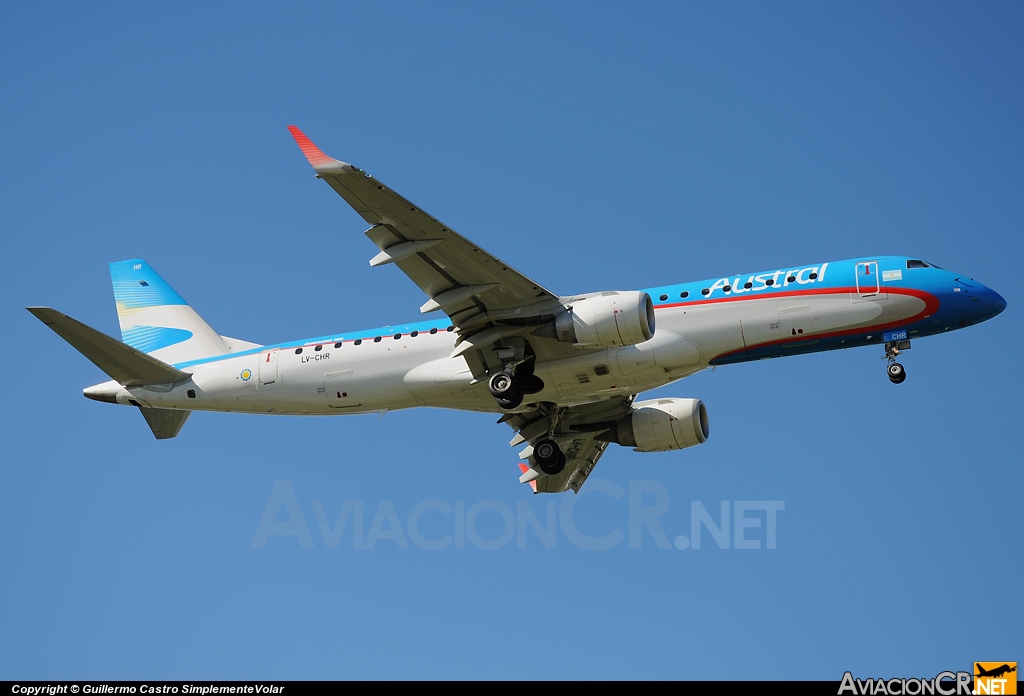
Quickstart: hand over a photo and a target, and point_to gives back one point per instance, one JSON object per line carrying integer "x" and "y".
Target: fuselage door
{"x": 268, "y": 367}
{"x": 796, "y": 321}
{"x": 868, "y": 280}
{"x": 340, "y": 388}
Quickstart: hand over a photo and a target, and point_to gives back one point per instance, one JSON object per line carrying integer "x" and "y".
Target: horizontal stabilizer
{"x": 164, "y": 422}
{"x": 128, "y": 366}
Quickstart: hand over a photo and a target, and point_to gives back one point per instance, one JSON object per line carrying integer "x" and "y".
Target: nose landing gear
{"x": 897, "y": 374}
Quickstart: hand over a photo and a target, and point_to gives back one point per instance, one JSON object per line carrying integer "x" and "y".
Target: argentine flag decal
{"x": 151, "y": 338}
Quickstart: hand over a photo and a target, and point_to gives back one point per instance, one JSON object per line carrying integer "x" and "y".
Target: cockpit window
{"x": 913, "y": 263}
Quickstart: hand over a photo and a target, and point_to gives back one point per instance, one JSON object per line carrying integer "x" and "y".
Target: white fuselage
{"x": 338, "y": 376}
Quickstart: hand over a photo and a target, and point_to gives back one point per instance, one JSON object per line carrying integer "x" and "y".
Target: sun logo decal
{"x": 246, "y": 375}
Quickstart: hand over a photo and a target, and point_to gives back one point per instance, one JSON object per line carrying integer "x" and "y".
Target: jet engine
{"x": 605, "y": 320}
{"x": 661, "y": 425}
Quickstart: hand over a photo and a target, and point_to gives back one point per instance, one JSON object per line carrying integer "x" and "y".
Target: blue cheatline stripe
{"x": 137, "y": 285}
{"x": 150, "y": 338}
{"x": 423, "y": 327}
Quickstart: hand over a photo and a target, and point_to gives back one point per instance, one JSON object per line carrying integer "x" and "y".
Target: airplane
{"x": 563, "y": 370}
{"x": 995, "y": 672}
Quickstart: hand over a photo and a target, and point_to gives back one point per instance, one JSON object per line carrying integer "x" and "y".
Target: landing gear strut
{"x": 895, "y": 371}
{"x": 549, "y": 457}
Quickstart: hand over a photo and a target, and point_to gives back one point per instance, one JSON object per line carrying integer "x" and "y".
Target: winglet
{"x": 321, "y": 162}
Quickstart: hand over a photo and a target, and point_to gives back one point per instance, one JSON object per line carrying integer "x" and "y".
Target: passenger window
{"x": 377, "y": 339}
{"x": 433, "y": 331}
{"x": 450, "y": 328}
{"x": 414, "y": 334}
{"x": 298, "y": 351}
{"x": 705, "y": 291}
{"x": 748, "y": 285}
{"x": 728, "y": 288}
{"x": 791, "y": 279}
{"x": 318, "y": 348}
{"x": 770, "y": 281}
{"x": 338, "y": 344}
{"x": 684, "y": 294}
{"x": 663, "y": 298}
{"x": 398, "y": 336}
{"x": 357, "y": 342}
{"x": 813, "y": 276}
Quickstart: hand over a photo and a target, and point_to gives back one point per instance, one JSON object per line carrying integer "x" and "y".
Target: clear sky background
{"x": 593, "y": 146}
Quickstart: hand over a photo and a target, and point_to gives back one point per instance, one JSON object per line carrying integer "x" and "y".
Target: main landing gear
{"x": 504, "y": 387}
{"x": 549, "y": 457}
{"x": 895, "y": 371}
{"x": 508, "y": 386}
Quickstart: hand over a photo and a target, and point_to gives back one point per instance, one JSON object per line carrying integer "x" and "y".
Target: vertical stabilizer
{"x": 156, "y": 320}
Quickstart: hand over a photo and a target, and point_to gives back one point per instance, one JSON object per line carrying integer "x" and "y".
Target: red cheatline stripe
{"x": 931, "y": 306}
{"x": 740, "y": 297}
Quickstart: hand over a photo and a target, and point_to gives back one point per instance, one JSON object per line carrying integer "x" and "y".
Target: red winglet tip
{"x": 314, "y": 154}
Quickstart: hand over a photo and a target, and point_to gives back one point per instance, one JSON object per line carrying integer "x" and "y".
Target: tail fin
{"x": 156, "y": 320}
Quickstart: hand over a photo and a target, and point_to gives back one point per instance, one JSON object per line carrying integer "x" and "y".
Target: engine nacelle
{"x": 661, "y": 425}
{"x": 607, "y": 320}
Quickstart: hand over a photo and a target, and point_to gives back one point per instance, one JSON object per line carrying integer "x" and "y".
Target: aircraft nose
{"x": 992, "y": 303}
{"x": 998, "y": 303}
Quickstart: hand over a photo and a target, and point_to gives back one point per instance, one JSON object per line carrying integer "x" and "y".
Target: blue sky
{"x": 593, "y": 146}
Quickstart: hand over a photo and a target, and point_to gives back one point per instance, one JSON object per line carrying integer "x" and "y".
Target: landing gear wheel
{"x": 532, "y": 385}
{"x": 555, "y": 468}
{"x": 896, "y": 373}
{"x": 514, "y": 402}
{"x": 549, "y": 457}
{"x": 503, "y": 386}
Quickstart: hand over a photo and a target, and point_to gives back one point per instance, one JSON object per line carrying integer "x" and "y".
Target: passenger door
{"x": 868, "y": 279}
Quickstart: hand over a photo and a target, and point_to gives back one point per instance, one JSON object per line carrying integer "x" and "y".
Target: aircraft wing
{"x": 575, "y": 429}
{"x": 485, "y": 298}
